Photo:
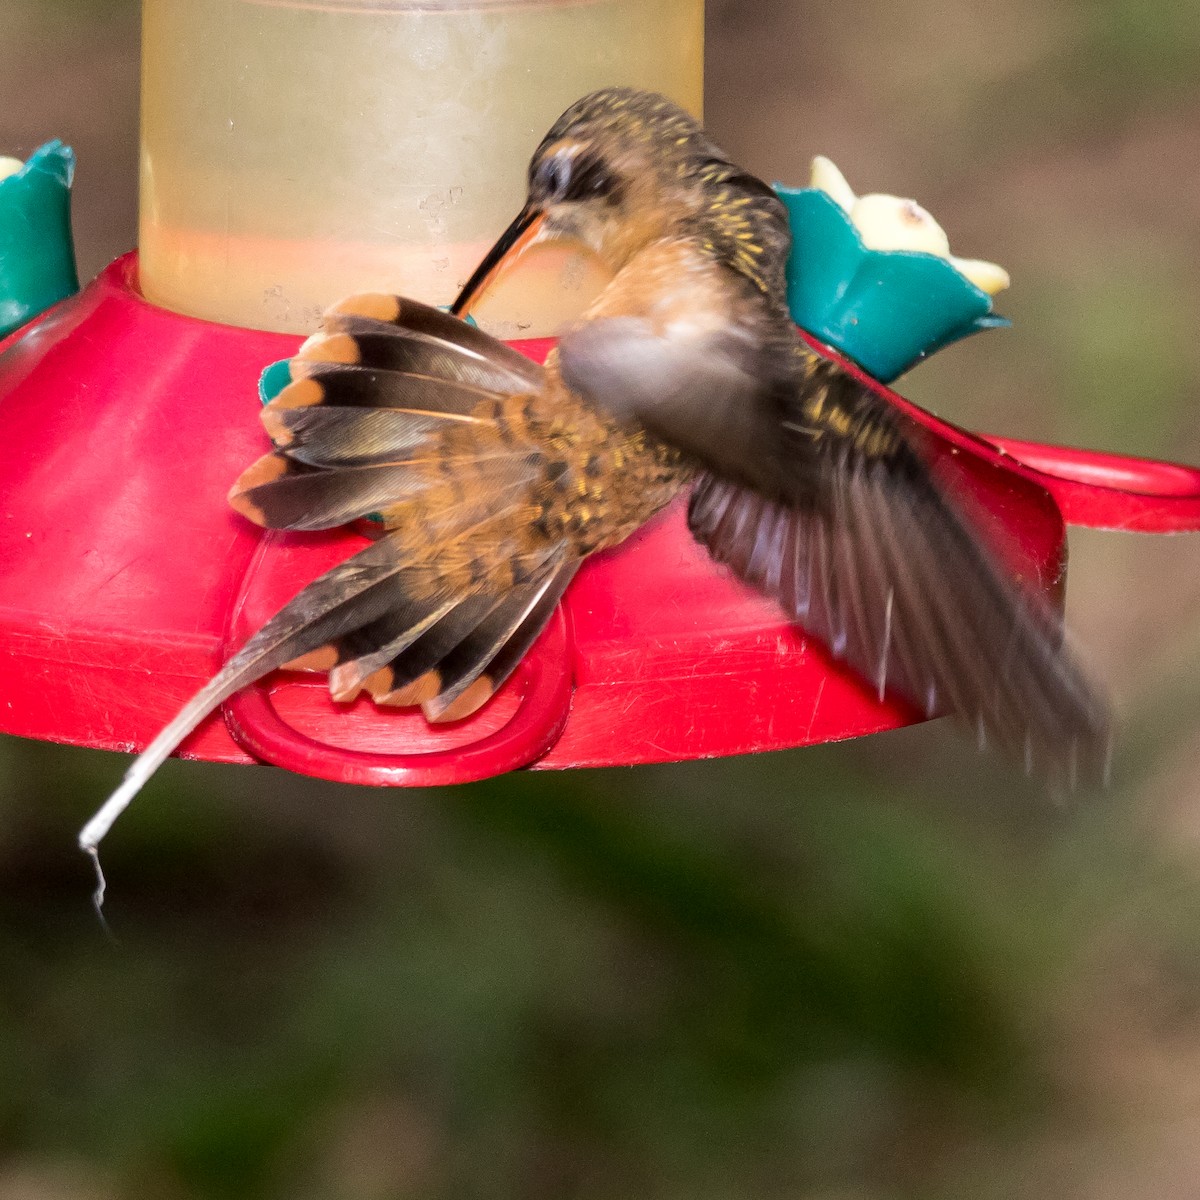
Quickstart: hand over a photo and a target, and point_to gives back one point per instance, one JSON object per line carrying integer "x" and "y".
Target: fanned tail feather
{"x": 348, "y": 597}
{"x": 455, "y": 667}
{"x": 473, "y": 671}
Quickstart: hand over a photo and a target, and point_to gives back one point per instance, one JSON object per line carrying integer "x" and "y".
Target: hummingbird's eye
{"x": 574, "y": 176}
{"x": 553, "y": 175}
{"x": 592, "y": 179}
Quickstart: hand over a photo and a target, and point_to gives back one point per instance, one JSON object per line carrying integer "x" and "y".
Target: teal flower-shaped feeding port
{"x": 885, "y": 309}
{"x": 37, "y": 254}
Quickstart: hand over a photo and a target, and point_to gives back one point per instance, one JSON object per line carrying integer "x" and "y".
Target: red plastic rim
{"x": 119, "y": 571}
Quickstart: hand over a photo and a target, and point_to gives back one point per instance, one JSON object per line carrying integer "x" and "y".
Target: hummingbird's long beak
{"x": 518, "y": 237}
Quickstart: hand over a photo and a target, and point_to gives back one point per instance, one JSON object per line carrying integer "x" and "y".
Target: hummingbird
{"x": 493, "y": 479}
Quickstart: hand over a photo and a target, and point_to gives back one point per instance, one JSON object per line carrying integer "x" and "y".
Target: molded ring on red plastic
{"x": 543, "y": 683}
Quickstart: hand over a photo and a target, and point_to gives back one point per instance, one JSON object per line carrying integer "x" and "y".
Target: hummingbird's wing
{"x": 397, "y": 409}
{"x": 820, "y": 494}
{"x": 371, "y": 400}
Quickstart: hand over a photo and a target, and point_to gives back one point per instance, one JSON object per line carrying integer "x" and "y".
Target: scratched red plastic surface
{"x": 120, "y": 566}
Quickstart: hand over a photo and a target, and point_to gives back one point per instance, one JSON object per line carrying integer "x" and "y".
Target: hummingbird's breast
{"x": 529, "y": 476}
{"x": 601, "y": 480}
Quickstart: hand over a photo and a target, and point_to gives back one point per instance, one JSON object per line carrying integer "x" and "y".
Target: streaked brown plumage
{"x": 495, "y": 478}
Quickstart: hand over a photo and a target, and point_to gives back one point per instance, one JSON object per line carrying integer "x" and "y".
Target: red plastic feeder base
{"x": 120, "y": 567}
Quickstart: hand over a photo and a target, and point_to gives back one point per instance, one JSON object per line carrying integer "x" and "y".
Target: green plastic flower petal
{"x": 37, "y": 254}
{"x": 885, "y": 309}
{"x": 274, "y": 379}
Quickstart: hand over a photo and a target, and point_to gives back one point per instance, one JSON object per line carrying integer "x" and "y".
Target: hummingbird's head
{"x": 621, "y": 169}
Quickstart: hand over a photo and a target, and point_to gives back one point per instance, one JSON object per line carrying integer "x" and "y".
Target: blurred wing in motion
{"x": 818, "y": 494}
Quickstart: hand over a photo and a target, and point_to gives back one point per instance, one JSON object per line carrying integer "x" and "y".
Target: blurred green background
{"x": 890, "y": 968}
